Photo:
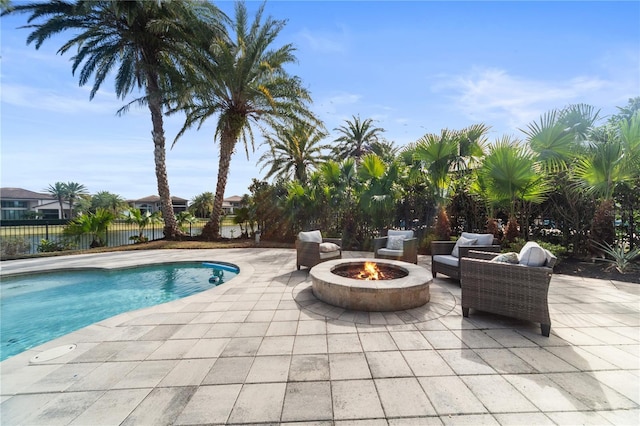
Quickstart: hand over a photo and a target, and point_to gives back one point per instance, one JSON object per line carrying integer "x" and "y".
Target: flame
{"x": 370, "y": 272}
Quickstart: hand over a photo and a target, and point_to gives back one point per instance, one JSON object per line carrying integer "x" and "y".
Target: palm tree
{"x": 357, "y": 136}
{"x": 58, "y": 190}
{"x": 511, "y": 177}
{"x": 146, "y": 43}
{"x": 94, "y": 224}
{"x": 202, "y": 204}
{"x": 107, "y": 200}
{"x": 73, "y": 191}
{"x": 142, "y": 220}
{"x": 294, "y": 150}
{"x": 245, "y": 83}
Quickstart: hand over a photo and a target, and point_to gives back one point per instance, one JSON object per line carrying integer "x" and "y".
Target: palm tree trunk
{"x": 211, "y": 230}
{"x": 171, "y": 229}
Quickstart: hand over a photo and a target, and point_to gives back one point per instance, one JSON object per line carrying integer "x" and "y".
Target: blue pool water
{"x": 37, "y": 308}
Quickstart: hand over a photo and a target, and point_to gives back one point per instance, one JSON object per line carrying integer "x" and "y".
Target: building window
{"x": 16, "y": 204}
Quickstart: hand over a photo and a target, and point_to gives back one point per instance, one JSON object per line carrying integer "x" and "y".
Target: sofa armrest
{"x": 442, "y": 247}
{"x": 378, "y": 243}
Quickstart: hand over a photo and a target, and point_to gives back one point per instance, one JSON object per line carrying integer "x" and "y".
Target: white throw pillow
{"x": 510, "y": 257}
{"x": 395, "y": 242}
{"x": 328, "y": 247}
{"x": 532, "y": 254}
{"x": 310, "y": 236}
{"x": 462, "y": 241}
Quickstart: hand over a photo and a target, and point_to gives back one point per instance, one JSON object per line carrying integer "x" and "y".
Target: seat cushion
{"x": 389, "y": 252}
{"x": 328, "y": 247}
{"x": 395, "y": 242}
{"x": 447, "y": 259}
{"x": 462, "y": 241}
{"x": 532, "y": 254}
{"x": 329, "y": 255}
{"x": 404, "y": 234}
{"x": 483, "y": 239}
{"x": 310, "y": 236}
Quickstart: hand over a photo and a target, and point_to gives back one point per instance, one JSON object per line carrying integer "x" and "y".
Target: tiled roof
{"x": 155, "y": 199}
{"x": 21, "y": 194}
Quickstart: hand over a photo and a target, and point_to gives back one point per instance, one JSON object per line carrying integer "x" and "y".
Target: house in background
{"x": 18, "y": 203}
{"x": 152, "y": 204}
{"x": 229, "y": 205}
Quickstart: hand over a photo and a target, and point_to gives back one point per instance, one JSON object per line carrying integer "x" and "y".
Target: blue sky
{"x": 414, "y": 67}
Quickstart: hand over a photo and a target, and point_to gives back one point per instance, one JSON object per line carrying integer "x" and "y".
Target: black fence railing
{"x": 33, "y": 236}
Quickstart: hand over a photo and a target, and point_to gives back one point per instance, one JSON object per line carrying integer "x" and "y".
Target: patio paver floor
{"x": 261, "y": 349}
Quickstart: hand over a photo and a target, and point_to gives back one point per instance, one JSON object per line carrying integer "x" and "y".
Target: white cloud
{"x": 325, "y": 42}
{"x": 56, "y": 101}
{"x": 494, "y": 95}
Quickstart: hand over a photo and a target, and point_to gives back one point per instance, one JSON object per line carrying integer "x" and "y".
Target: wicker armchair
{"x": 310, "y": 253}
{"x": 443, "y": 262}
{"x": 407, "y": 253}
{"x": 516, "y": 291}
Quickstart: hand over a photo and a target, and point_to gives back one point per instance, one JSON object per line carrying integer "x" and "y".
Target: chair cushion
{"x": 395, "y": 242}
{"x": 511, "y": 257}
{"x": 395, "y": 232}
{"x": 310, "y": 236}
{"x": 483, "y": 239}
{"x": 389, "y": 252}
{"x": 462, "y": 241}
{"x": 447, "y": 259}
{"x": 328, "y": 247}
{"x": 330, "y": 255}
{"x": 532, "y": 254}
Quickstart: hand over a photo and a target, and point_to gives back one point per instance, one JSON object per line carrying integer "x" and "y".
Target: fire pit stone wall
{"x": 361, "y": 295}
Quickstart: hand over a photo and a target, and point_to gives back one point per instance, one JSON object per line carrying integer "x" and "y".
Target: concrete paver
{"x": 261, "y": 349}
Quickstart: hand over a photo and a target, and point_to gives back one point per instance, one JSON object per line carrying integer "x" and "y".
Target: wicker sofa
{"x": 312, "y": 248}
{"x": 407, "y": 250}
{"x": 442, "y": 260}
{"x": 513, "y": 290}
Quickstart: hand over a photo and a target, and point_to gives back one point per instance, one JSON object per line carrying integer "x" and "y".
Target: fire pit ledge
{"x": 398, "y": 294}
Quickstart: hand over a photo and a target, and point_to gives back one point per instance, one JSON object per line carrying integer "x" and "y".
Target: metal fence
{"x": 32, "y": 236}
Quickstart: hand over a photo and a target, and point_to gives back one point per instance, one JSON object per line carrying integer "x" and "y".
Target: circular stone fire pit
{"x": 394, "y": 294}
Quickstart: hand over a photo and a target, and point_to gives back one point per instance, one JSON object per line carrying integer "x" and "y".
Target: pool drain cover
{"x": 53, "y": 353}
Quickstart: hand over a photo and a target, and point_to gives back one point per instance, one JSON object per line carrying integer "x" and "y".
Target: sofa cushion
{"x": 404, "y": 234}
{"x": 328, "y": 247}
{"x": 462, "y": 241}
{"x": 310, "y": 236}
{"x": 483, "y": 239}
{"x": 395, "y": 242}
{"x": 390, "y": 252}
{"x": 532, "y": 254}
{"x": 511, "y": 257}
{"x": 447, "y": 259}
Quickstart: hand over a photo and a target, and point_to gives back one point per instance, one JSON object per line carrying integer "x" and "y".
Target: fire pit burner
{"x": 370, "y": 271}
{"x": 404, "y": 292}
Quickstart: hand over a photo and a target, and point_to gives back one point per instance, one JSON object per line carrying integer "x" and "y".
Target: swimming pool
{"x": 37, "y": 308}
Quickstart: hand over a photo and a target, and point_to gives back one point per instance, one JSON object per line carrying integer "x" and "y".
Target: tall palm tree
{"x": 356, "y": 137}
{"x": 245, "y": 83}
{"x": 146, "y": 43}
{"x": 294, "y": 151}
{"x": 58, "y": 190}
{"x": 74, "y": 190}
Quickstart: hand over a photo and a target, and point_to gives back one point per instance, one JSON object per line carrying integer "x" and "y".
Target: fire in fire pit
{"x": 370, "y": 271}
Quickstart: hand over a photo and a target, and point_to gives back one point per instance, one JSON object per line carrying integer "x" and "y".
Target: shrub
{"x": 619, "y": 257}
{"x": 47, "y": 246}
{"x": 13, "y": 246}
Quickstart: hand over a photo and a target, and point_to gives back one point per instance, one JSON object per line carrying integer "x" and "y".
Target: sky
{"x": 413, "y": 67}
